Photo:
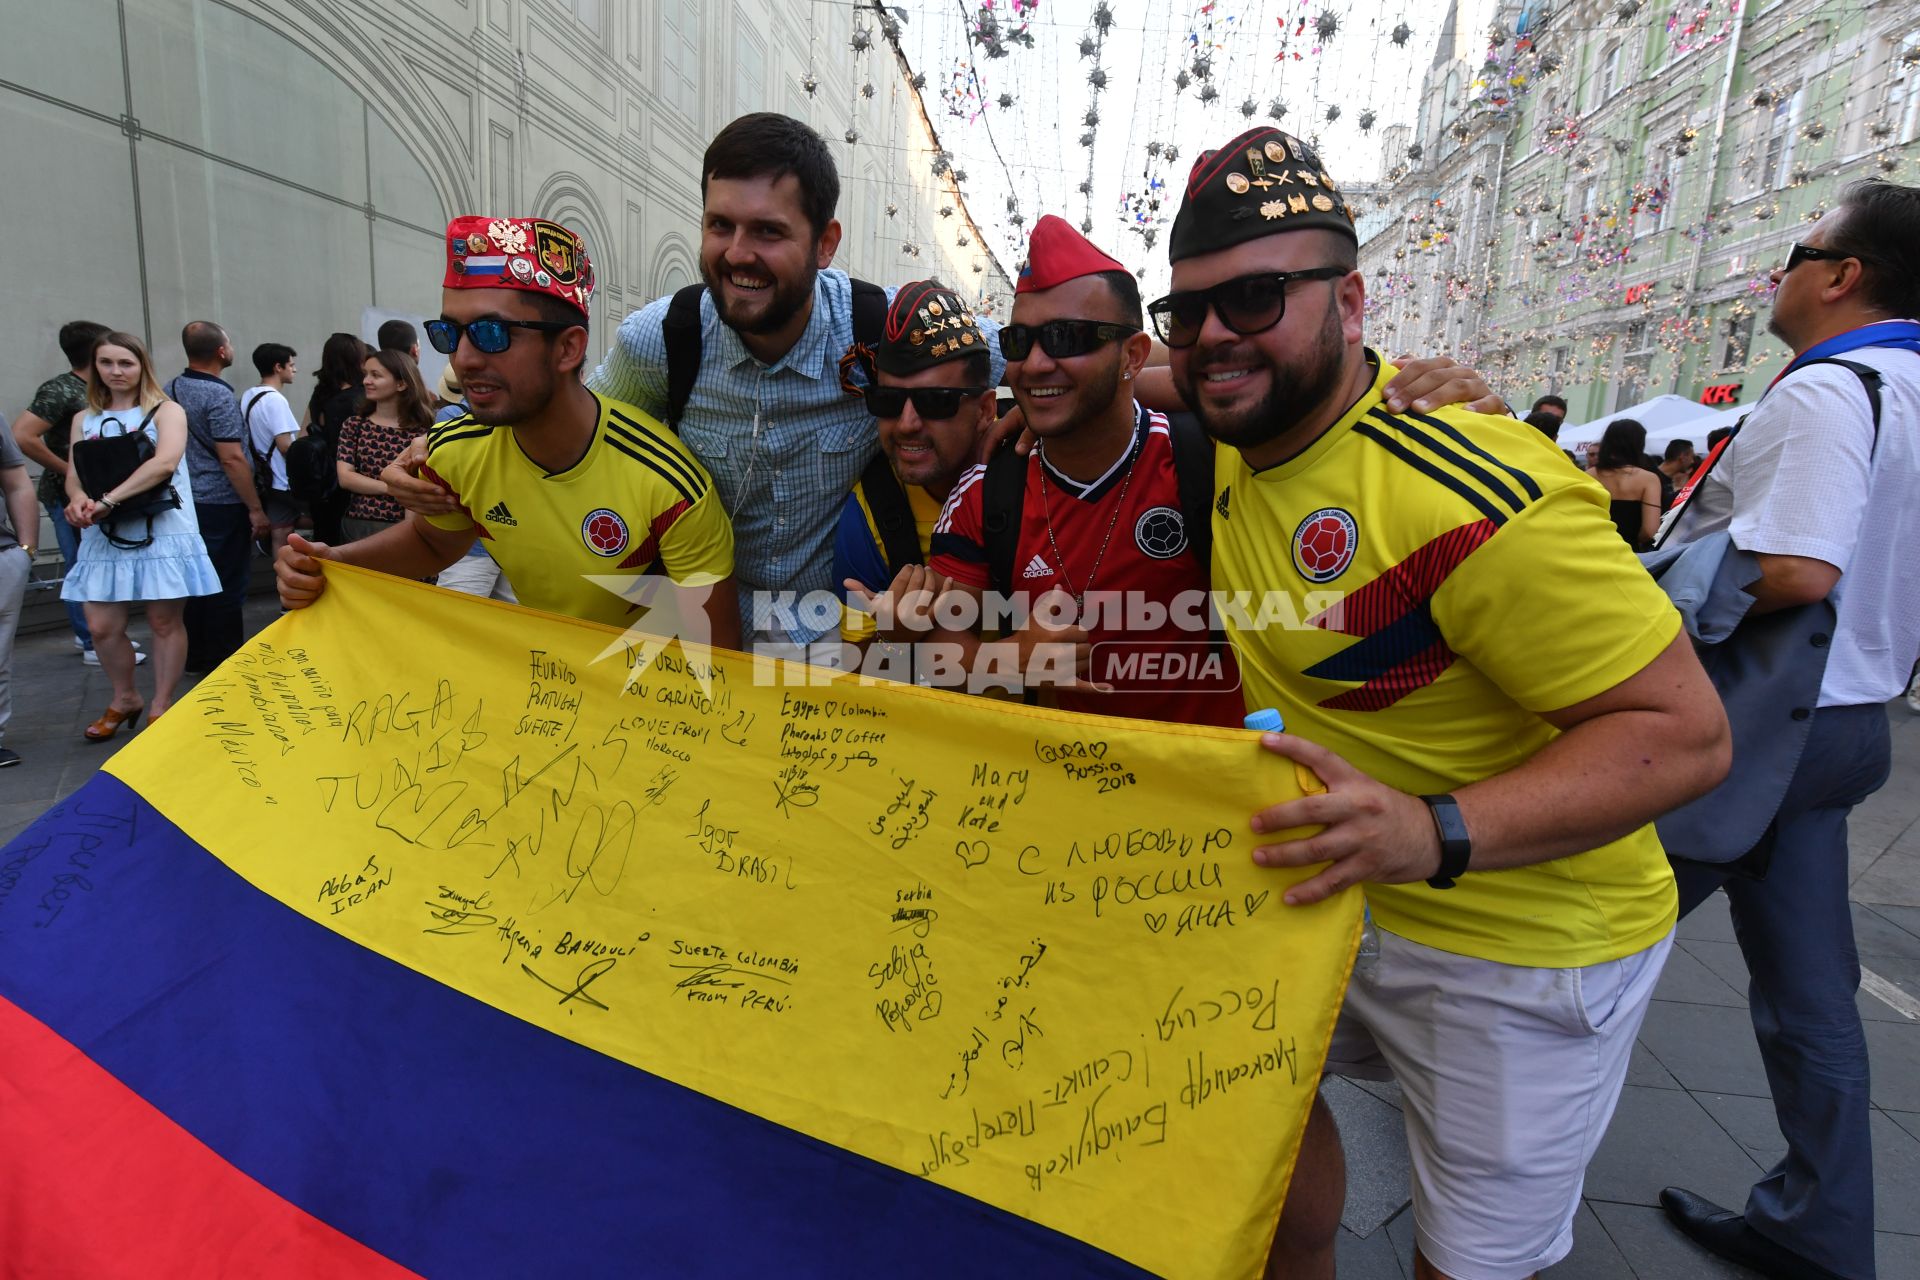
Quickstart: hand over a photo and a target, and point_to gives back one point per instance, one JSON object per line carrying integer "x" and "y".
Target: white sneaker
{"x": 92, "y": 659}
{"x": 1913, "y": 693}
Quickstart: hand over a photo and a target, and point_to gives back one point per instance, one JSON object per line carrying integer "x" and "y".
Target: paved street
{"x": 1695, "y": 1109}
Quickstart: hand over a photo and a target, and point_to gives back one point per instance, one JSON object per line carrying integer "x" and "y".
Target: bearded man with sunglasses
{"x": 569, "y": 488}
{"x": 1499, "y": 705}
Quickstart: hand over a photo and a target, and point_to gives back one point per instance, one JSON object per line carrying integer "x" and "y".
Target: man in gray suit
{"x": 1821, "y": 484}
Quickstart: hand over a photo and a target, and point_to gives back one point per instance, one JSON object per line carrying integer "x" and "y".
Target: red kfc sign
{"x": 1724, "y": 393}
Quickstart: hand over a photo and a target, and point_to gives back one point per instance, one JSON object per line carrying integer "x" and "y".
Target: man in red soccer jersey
{"x": 1095, "y": 511}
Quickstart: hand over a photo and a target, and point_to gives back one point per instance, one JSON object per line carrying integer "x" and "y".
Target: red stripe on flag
{"x": 95, "y": 1182}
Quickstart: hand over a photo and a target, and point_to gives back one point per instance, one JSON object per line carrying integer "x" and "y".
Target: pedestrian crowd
{"x": 1218, "y": 506}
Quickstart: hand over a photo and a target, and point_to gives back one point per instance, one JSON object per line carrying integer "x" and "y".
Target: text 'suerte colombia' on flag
{"x": 435, "y": 936}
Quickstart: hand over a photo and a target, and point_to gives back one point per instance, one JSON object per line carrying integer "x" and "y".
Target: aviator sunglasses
{"x": 1245, "y": 304}
{"x": 1061, "y": 339}
{"x": 928, "y": 402}
{"x": 490, "y": 335}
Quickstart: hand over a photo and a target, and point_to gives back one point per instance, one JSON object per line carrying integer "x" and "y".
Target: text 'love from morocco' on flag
{"x": 436, "y": 936}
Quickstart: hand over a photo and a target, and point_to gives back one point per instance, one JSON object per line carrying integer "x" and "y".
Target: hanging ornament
{"x": 1092, "y": 118}
{"x": 1276, "y": 109}
{"x": 1333, "y": 112}
{"x": 866, "y": 90}
{"x": 1248, "y": 107}
{"x": 1763, "y": 98}
{"x": 1013, "y": 205}
{"x": 1097, "y": 78}
{"x": 1087, "y": 46}
{"x": 1153, "y": 149}
{"x": 1182, "y": 80}
{"x": 959, "y": 175}
{"x": 862, "y": 40}
{"x": 977, "y": 268}
{"x": 1478, "y": 182}
{"x": 1085, "y": 188}
{"x": 1366, "y": 120}
{"x": 919, "y": 80}
{"x": 1148, "y": 236}
{"x": 1625, "y": 10}
{"x": 1086, "y": 139}
{"x": 1910, "y": 57}
{"x": 1880, "y": 130}
{"x": 1086, "y": 226}
{"x": 1208, "y": 93}
{"x": 1103, "y": 17}
{"x": 1326, "y": 25}
{"x": 1172, "y": 154}
{"x": 942, "y": 162}
{"x": 1888, "y": 162}
{"x": 810, "y": 83}
{"x": 1813, "y": 130}
{"x": 892, "y": 209}
{"x": 890, "y": 28}
{"x": 1415, "y": 151}
{"x": 1203, "y": 66}
{"x": 853, "y": 136}
{"x": 1401, "y": 34}
{"x": 946, "y": 211}
{"x": 963, "y": 241}
{"x": 1550, "y": 62}
{"x": 1018, "y": 219}
{"x": 1005, "y": 101}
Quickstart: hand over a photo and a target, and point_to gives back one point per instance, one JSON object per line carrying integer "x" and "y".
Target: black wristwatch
{"x": 1456, "y": 846}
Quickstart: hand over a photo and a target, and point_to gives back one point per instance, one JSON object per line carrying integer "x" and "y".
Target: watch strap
{"x": 1456, "y": 847}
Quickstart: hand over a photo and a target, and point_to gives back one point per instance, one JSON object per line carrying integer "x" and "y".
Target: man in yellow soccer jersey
{"x": 1499, "y": 706}
{"x": 578, "y": 497}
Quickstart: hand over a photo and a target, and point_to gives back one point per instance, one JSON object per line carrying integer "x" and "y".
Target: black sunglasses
{"x": 928, "y": 402}
{"x": 1245, "y": 304}
{"x": 490, "y": 335}
{"x": 1061, "y": 339}
{"x": 1813, "y": 253}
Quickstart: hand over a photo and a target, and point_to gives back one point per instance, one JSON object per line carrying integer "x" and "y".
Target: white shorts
{"x": 1510, "y": 1075}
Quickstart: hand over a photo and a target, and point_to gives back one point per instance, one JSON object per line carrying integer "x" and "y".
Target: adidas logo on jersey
{"x": 1037, "y": 568}
{"x": 499, "y": 515}
{"x": 1221, "y": 505}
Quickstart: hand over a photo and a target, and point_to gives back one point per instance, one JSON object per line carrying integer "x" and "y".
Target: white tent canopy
{"x": 1667, "y": 417}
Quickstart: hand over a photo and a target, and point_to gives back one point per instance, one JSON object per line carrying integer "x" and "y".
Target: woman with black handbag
{"x": 128, "y": 492}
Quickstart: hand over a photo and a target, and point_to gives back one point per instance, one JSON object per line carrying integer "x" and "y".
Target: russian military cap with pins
{"x": 1264, "y": 181}
{"x": 927, "y": 324}
{"x": 519, "y": 253}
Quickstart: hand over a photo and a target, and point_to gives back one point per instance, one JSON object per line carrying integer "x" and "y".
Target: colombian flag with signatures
{"x": 507, "y": 963}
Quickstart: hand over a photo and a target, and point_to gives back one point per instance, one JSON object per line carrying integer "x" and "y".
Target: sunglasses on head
{"x": 928, "y": 402}
{"x": 1061, "y": 339}
{"x": 1245, "y": 304}
{"x": 490, "y": 335}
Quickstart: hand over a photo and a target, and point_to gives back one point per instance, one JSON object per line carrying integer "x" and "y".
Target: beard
{"x": 1093, "y": 394}
{"x": 1295, "y": 389}
{"x": 783, "y": 303}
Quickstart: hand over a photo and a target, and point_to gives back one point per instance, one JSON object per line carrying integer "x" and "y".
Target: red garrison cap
{"x": 1057, "y": 253}
{"x": 518, "y": 253}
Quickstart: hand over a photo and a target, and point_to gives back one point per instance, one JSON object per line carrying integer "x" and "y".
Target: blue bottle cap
{"x": 1266, "y": 720}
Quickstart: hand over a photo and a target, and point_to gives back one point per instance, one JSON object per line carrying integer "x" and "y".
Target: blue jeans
{"x": 1796, "y": 933}
{"x": 69, "y": 539}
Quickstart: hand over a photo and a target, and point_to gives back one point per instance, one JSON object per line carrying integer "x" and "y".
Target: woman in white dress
{"x": 123, "y": 398}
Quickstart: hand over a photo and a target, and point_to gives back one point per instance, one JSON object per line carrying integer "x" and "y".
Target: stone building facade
{"x": 1644, "y": 167}
{"x": 286, "y": 167}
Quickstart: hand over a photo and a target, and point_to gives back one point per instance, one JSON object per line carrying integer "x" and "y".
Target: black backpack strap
{"x": 892, "y": 515}
{"x": 1869, "y": 383}
{"x": 1003, "y": 497}
{"x": 1193, "y": 470}
{"x": 869, "y": 323}
{"x": 681, "y": 330}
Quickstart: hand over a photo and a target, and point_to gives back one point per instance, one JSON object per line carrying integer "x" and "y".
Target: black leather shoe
{"x": 1723, "y": 1232}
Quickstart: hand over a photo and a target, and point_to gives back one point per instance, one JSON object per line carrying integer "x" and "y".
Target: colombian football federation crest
{"x": 1160, "y": 532}
{"x": 1324, "y": 544}
{"x": 558, "y": 251}
{"x": 604, "y": 532}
